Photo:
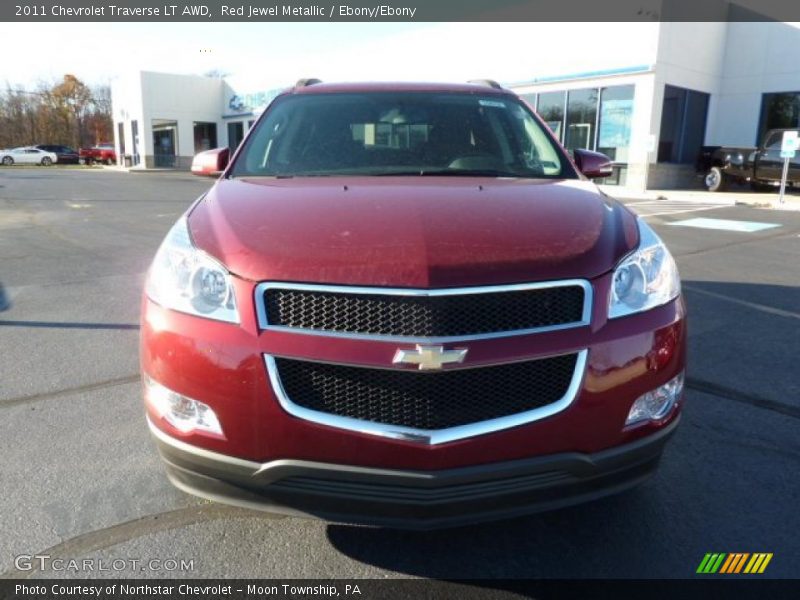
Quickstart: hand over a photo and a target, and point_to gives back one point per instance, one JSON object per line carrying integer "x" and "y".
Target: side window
{"x": 774, "y": 141}
{"x": 540, "y": 154}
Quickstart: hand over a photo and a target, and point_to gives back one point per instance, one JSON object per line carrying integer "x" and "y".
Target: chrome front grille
{"x": 435, "y": 406}
{"x": 422, "y": 400}
{"x": 431, "y": 315}
{"x": 430, "y": 408}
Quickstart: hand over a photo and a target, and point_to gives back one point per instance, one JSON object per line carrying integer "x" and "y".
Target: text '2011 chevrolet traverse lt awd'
{"x": 405, "y": 304}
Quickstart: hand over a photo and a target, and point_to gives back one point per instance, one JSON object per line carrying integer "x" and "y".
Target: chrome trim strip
{"x": 422, "y": 436}
{"x": 256, "y": 469}
{"x": 263, "y": 320}
{"x": 202, "y": 452}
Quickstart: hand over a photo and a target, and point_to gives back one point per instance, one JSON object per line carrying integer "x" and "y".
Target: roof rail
{"x": 487, "y": 82}
{"x": 307, "y": 82}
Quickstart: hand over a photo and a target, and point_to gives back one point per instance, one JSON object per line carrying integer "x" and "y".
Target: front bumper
{"x": 412, "y": 498}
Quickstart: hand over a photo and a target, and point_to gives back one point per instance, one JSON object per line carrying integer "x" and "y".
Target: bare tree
{"x": 66, "y": 112}
{"x": 73, "y": 97}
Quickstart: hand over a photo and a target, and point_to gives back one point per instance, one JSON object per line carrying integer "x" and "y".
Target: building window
{"x": 121, "y": 136}
{"x": 530, "y": 99}
{"x": 593, "y": 119}
{"x": 235, "y": 135}
{"x": 551, "y": 110}
{"x": 616, "y": 114}
{"x": 581, "y": 119}
{"x": 683, "y": 125}
{"x": 165, "y": 147}
{"x": 778, "y": 111}
{"x": 135, "y": 139}
{"x": 205, "y": 136}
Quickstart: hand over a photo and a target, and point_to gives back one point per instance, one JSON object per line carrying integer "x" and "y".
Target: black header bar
{"x": 397, "y": 10}
{"x": 702, "y": 587}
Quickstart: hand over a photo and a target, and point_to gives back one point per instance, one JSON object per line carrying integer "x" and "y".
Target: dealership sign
{"x": 251, "y": 102}
{"x": 789, "y": 144}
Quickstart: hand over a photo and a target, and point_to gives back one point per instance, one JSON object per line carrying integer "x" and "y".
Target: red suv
{"x": 405, "y": 304}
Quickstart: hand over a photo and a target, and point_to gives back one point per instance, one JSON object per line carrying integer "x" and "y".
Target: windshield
{"x": 416, "y": 133}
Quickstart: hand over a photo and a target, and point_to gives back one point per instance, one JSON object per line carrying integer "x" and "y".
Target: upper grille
{"x": 426, "y": 401}
{"x": 438, "y": 315}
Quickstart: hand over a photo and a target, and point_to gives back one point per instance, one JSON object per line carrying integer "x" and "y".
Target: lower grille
{"x": 461, "y": 492}
{"x": 426, "y": 401}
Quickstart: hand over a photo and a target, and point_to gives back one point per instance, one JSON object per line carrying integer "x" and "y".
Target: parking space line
{"x": 657, "y": 208}
{"x": 726, "y": 393}
{"x": 755, "y": 306}
{"x": 684, "y": 210}
{"x": 66, "y": 391}
{"x": 726, "y": 225}
{"x": 100, "y": 539}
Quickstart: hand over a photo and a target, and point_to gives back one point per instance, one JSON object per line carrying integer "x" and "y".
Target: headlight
{"x": 186, "y": 279}
{"x": 645, "y": 279}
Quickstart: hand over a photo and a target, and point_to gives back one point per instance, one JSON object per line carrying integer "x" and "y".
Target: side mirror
{"x": 211, "y": 162}
{"x": 593, "y": 164}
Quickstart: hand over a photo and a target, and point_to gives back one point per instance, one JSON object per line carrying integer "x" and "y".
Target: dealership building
{"x": 648, "y": 95}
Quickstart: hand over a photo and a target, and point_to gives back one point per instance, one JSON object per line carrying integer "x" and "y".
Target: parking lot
{"x": 81, "y": 477}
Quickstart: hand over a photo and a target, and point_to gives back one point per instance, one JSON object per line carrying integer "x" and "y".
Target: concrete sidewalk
{"x": 730, "y": 198}
{"x": 137, "y": 169}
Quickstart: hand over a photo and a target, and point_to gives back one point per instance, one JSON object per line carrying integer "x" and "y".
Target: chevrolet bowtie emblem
{"x": 429, "y": 357}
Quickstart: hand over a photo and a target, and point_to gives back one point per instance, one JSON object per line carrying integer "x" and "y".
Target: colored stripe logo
{"x": 734, "y": 563}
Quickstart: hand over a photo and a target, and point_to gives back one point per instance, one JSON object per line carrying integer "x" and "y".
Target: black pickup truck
{"x": 762, "y": 167}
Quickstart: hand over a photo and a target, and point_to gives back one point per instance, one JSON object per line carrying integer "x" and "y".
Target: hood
{"x": 424, "y": 232}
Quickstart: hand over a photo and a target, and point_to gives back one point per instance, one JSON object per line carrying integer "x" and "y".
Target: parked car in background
{"x": 65, "y": 154}
{"x": 762, "y": 167}
{"x": 405, "y": 304}
{"x": 27, "y": 155}
{"x": 101, "y": 153}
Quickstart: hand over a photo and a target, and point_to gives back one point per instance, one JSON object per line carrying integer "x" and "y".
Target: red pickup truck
{"x": 101, "y": 153}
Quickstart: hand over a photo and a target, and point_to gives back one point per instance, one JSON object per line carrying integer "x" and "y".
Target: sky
{"x": 97, "y": 52}
{"x": 263, "y": 56}
{"x": 277, "y": 54}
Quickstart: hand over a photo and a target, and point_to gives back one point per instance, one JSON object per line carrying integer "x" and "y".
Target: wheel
{"x": 715, "y": 180}
{"x": 87, "y": 162}
{"x": 8, "y": 161}
{"x": 47, "y": 161}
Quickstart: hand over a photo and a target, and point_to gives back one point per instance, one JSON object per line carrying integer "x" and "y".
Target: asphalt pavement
{"x": 81, "y": 478}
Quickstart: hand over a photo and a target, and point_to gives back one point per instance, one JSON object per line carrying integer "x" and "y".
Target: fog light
{"x": 183, "y": 413}
{"x": 655, "y": 405}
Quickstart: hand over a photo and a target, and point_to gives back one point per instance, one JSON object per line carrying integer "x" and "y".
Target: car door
{"x": 794, "y": 169}
{"x": 33, "y": 156}
{"x": 21, "y": 156}
{"x": 773, "y": 162}
{"x": 769, "y": 164}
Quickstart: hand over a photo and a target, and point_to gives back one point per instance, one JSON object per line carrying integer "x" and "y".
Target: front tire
{"x": 8, "y": 161}
{"x": 47, "y": 161}
{"x": 715, "y": 180}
